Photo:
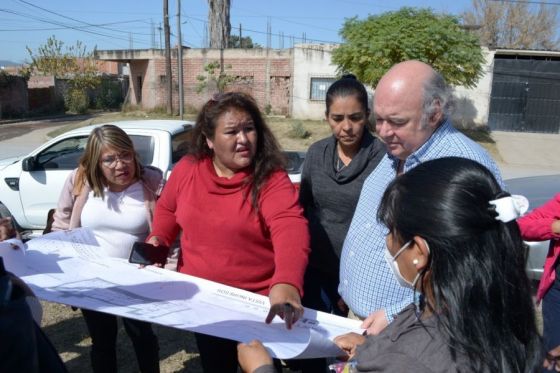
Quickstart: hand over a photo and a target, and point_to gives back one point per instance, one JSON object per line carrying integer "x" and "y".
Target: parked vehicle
{"x": 295, "y": 165}
{"x": 30, "y": 185}
{"x": 538, "y": 190}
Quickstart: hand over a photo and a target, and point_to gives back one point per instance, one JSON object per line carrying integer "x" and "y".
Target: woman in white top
{"x": 114, "y": 195}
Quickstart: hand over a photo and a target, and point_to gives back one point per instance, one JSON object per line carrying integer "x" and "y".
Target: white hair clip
{"x": 510, "y": 208}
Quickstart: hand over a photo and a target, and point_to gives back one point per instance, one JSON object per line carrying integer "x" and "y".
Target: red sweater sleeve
{"x": 289, "y": 233}
{"x": 536, "y": 226}
{"x": 165, "y": 225}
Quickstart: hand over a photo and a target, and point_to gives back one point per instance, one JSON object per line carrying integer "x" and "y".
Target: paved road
{"x": 22, "y": 137}
{"x": 528, "y": 154}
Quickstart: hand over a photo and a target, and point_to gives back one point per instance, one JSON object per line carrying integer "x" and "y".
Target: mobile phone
{"x": 147, "y": 254}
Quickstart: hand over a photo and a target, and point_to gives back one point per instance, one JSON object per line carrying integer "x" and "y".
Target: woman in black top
{"x": 333, "y": 173}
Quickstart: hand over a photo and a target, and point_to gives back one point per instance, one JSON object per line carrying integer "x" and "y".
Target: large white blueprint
{"x": 68, "y": 267}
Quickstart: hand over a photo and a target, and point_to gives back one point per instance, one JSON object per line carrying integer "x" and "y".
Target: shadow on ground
{"x": 67, "y": 331}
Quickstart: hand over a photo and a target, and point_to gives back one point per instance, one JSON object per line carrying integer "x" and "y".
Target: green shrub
{"x": 76, "y": 100}
{"x": 109, "y": 95}
{"x": 298, "y": 131}
{"x": 267, "y": 109}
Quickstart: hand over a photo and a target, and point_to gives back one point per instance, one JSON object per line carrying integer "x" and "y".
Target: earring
{"x": 415, "y": 261}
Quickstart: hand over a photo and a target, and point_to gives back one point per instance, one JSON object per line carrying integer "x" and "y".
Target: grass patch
{"x": 298, "y": 131}
{"x": 479, "y": 134}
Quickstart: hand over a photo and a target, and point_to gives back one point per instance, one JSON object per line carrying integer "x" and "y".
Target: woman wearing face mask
{"x": 238, "y": 213}
{"x": 453, "y": 238}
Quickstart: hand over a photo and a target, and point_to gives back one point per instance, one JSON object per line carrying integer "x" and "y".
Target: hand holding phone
{"x": 148, "y": 254}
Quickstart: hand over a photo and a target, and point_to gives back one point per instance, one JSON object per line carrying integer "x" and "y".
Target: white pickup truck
{"x": 30, "y": 185}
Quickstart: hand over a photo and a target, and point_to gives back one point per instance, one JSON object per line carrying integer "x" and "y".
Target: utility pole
{"x": 160, "y": 41}
{"x": 168, "y": 58}
{"x": 180, "y": 60}
{"x": 153, "y": 28}
{"x": 240, "y": 37}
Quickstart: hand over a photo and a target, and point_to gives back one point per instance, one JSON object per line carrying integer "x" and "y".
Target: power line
{"x": 74, "y": 19}
{"x": 111, "y": 37}
{"x": 63, "y": 28}
{"x": 290, "y": 21}
{"x": 275, "y": 34}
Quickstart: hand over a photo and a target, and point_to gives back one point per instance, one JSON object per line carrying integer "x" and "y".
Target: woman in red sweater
{"x": 239, "y": 215}
{"x": 543, "y": 223}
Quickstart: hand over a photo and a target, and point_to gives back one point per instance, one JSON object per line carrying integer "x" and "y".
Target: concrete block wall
{"x": 310, "y": 61}
{"x": 265, "y": 74}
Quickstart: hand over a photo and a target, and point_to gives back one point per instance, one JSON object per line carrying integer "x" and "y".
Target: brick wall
{"x": 13, "y": 96}
{"x": 266, "y": 74}
{"x": 108, "y": 67}
{"x": 37, "y": 81}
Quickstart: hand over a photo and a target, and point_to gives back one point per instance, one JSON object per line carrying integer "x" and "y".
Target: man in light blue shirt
{"x": 411, "y": 104}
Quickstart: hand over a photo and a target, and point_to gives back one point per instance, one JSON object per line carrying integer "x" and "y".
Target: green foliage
{"x": 215, "y": 78}
{"x": 76, "y": 100}
{"x": 298, "y": 131}
{"x": 371, "y": 46}
{"x": 109, "y": 95}
{"x": 246, "y": 42}
{"x": 73, "y": 63}
{"x": 267, "y": 109}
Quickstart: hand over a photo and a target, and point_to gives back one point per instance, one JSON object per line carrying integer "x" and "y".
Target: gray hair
{"x": 437, "y": 96}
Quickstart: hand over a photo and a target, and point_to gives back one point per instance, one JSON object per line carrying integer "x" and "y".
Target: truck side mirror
{"x": 29, "y": 164}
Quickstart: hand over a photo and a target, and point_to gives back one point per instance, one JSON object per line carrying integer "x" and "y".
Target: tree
{"x": 218, "y": 23}
{"x": 74, "y": 63}
{"x": 373, "y": 45}
{"x": 246, "y": 42}
{"x": 215, "y": 78}
{"x": 517, "y": 25}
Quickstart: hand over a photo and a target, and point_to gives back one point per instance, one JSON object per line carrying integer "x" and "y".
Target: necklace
{"x": 339, "y": 165}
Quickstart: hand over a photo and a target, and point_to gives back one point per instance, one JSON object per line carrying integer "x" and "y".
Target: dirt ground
{"x": 178, "y": 352}
{"x": 67, "y": 331}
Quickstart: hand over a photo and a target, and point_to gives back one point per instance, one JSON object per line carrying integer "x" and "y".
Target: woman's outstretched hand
{"x": 286, "y": 303}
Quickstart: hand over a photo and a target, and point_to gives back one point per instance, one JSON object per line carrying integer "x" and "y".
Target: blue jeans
{"x": 551, "y": 317}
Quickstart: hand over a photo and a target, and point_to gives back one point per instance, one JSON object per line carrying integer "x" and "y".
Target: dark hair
{"x": 482, "y": 297}
{"x": 347, "y": 85}
{"x": 268, "y": 156}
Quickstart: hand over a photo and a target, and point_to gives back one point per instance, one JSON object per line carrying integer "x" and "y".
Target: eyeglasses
{"x": 111, "y": 161}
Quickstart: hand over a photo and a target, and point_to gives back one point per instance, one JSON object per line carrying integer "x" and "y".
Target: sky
{"x": 124, "y": 24}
